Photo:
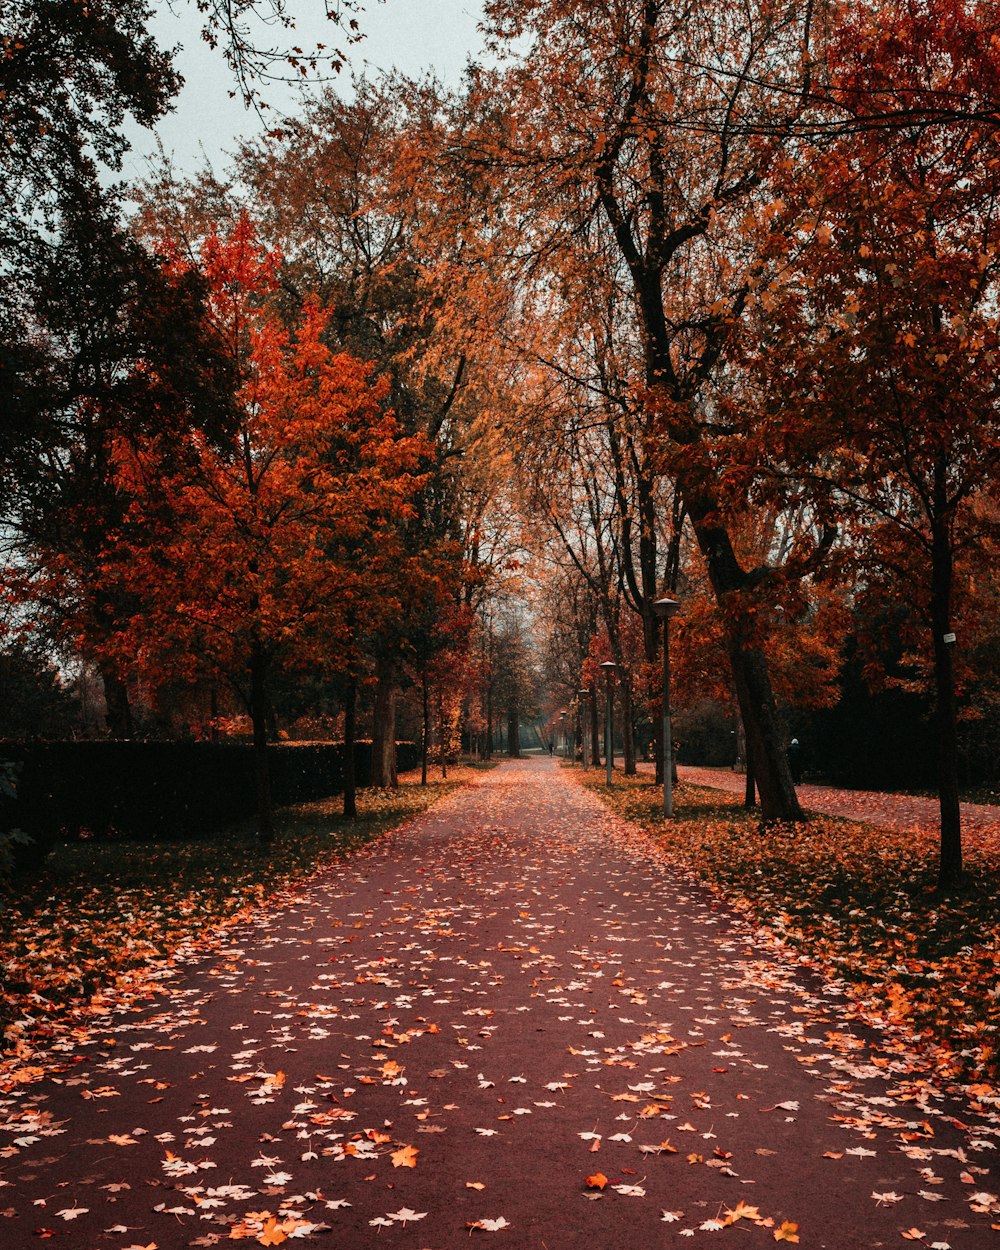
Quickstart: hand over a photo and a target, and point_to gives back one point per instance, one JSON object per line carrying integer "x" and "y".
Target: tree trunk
{"x": 765, "y": 745}
{"x": 384, "y": 728}
{"x": 595, "y": 728}
{"x": 766, "y": 756}
{"x": 424, "y": 729}
{"x": 942, "y": 574}
{"x": 350, "y": 759}
{"x": 514, "y": 733}
{"x": 443, "y": 736}
{"x": 261, "y": 763}
{"x": 652, "y": 636}
{"x": 488, "y": 755}
{"x": 628, "y": 729}
{"x": 750, "y": 790}
{"x": 119, "y": 711}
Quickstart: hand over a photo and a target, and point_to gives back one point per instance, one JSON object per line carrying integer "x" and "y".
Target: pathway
{"x": 505, "y": 1021}
{"x": 906, "y": 812}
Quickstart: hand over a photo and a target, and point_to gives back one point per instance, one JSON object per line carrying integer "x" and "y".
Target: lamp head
{"x": 666, "y": 608}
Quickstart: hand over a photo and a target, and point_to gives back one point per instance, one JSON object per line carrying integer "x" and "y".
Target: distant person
{"x": 552, "y": 747}
{"x": 795, "y": 760}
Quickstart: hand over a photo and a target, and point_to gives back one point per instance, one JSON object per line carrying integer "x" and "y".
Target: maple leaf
{"x": 913, "y": 1234}
{"x": 742, "y": 1211}
{"x": 787, "y": 1231}
{"x": 272, "y": 1234}
{"x": 72, "y": 1213}
{"x": 597, "y": 1181}
{"x": 405, "y": 1216}
{"x": 488, "y": 1226}
{"x": 405, "y": 1157}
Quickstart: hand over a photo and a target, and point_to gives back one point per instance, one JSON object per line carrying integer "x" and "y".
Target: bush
{"x": 142, "y": 790}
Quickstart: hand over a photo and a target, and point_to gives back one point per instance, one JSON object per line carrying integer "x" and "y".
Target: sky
{"x": 411, "y": 35}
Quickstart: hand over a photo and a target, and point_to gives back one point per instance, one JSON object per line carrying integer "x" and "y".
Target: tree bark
{"x": 350, "y": 757}
{"x": 652, "y": 635}
{"x": 942, "y": 575}
{"x": 119, "y": 712}
{"x": 766, "y": 754}
{"x": 595, "y": 728}
{"x": 443, "y": 736}
{"x": 750, "y": 790}
{"x": 628, "y": 729}
{"x": 384, "y": 728}
{"x": 261, "y": 762}
{"x": 424, "y": 729}
{"x": 514, "y": 733}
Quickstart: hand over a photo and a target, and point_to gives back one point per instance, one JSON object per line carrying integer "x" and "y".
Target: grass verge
{"x": 112, "y": 914}
{"x": 861, "y": 902}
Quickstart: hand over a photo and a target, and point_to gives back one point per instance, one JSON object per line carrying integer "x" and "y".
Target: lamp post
{"x": 562, "y": 726}
{"x": 665, "y": 609}
{"x": 609, "y": 720}
{"x": 585, "y": 727}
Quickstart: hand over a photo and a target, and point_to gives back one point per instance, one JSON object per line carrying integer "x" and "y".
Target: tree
{"x": 883, "y": 342}
{"x": 333, "y": 186}
{"x": 71, "y": 74}
{"x": 635, "y": 113}
{"x": 124, "y": 351}
{"x": 277, "y": 549}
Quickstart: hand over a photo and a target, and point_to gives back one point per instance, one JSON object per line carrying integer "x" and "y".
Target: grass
{"x": 106, "y": 914}
{"x": 861, "y": 902}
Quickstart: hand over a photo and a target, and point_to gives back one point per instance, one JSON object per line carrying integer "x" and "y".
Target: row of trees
{"x": 695, "y": 299}
{"x": 756, "y": 251}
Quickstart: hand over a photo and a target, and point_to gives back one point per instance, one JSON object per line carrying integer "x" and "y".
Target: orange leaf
{"x": 271, "y": 1234}
{"x": 913, "y": 1234}
{"x": 597, "y": 1181}
{"x": 787, "y": 1232}
{"x": 405, "y": 1157}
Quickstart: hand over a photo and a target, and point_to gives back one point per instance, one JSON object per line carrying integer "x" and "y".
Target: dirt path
{"x": 510, "y": 994}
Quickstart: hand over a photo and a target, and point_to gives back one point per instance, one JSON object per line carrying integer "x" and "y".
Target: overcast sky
{"x": 412, "y": 35}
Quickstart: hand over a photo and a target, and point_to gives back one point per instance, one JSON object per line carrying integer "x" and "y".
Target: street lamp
{"x": 562, "y": 726}
{"x": 609, "y": 720}
{"x": 585, "y": 727}
{"x": 665, "y": 609}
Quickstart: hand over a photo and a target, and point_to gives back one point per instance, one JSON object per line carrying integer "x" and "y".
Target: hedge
{"x": 155, "y": 790}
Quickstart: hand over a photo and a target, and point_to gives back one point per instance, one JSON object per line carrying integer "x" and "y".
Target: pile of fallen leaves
{"x": 861, "y": 902}
{"x": 112, "y": 914}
